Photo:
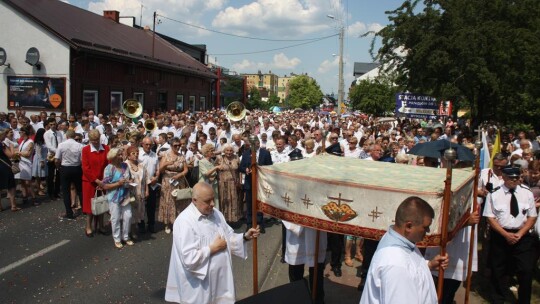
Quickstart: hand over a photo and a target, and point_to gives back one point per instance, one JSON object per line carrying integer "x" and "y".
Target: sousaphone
{"x": 132, "y": 108}
{"x": 236, "y": 111}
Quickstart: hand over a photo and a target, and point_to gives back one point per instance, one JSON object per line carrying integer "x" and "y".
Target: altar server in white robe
{"x": 398, "y": 272}
{"x": 458, "y": 253}
{"x": 200, "y": 270}
{"x": 300, "y": 251}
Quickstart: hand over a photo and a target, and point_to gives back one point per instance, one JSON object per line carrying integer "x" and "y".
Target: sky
{"x": 292, "y": 20}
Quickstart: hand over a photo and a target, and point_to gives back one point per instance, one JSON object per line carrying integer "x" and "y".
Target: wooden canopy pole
{"x": 478, "y": 146}
{"x": 450, "y": 156}
{"x": 254, "y": 211}
{"x": 315, "y": 267}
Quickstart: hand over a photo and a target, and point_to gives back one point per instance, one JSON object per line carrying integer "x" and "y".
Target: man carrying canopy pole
{"x": 398, "y": 272}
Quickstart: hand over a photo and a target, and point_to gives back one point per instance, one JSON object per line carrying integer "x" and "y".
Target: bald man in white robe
{"x": 200, "y": 270}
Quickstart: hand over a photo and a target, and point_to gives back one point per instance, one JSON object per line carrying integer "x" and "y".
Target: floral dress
{"x": 229, "y": 187}
{"x": 204, "y": 166}
{"x": 169, "y": 207}
{"x": 140, "y": 177}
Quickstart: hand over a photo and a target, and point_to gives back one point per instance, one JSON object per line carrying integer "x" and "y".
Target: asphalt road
{"x": 44, "y": 259}
{"x": 49, "y": 260}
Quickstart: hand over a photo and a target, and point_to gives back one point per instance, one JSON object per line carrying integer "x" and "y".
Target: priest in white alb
{"x": 300, "y": 251}
{"x": 398, "y": 272}
{"x": 200, "y": 270}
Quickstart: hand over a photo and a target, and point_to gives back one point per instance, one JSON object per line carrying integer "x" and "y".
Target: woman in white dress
{"x": 39, "y": 163}
{"x": 25, "y": 152}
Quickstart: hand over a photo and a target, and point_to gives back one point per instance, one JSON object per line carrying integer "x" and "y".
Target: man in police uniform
{"x": 511, "y": 213}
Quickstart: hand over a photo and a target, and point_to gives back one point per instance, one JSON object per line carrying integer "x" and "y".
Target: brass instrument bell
{"x": 132, "y": 108}
{"x": 236, "y": 111}
{"x": 150, "y": 125}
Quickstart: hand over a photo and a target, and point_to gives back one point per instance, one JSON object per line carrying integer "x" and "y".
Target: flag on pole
{"x": 485, "y": 158}
{"x": 496, "y": 147}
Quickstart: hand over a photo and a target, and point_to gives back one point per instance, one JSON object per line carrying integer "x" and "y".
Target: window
{"x": 179, "y": 103}
{"x": 162, "y": 101}
{"x": 90, "y": 100}
{"x": 202, "y": 101}
{"x": 116, "y": 101}
{"x": 192, "y": 103}
{"x": 139, "y": 97}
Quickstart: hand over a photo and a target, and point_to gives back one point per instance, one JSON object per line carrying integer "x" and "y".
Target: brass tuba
{"x": 236, "y": 111}
{"x": 150, "y": 125}
{"x": 132, "y": 108}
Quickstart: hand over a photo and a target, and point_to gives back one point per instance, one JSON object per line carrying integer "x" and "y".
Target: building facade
{"x": 264, "y": 82}
{"x": 283, "y": 86}
{"x": 92, "y": 62}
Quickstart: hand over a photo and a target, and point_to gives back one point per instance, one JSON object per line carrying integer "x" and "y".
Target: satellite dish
{"x": 32, "y": 57}
{"x": 3, "y": 56}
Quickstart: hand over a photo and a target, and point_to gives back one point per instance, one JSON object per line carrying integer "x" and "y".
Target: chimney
{"x": 113, "y": 15}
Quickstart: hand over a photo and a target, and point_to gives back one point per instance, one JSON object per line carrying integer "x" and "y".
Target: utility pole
{"x": 341, "y": 88}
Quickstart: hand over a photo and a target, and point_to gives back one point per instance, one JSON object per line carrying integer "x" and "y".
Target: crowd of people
{"x": 81, "y": 156}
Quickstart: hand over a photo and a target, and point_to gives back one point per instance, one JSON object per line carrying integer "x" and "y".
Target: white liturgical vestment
{"x": 398, "y": 274}
{"x": 195, "y": 276}
{"x": 300, "y": 247}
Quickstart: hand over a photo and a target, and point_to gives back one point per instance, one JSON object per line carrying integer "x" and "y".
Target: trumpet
{"x": 150, "y": 125}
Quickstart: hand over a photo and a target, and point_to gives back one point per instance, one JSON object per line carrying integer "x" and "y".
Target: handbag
{"x": 100, "y": 204}
{"x": 14, "y": 166}
{"x": 183, "y": 194}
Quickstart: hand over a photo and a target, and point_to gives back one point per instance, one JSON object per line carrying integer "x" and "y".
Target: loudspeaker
{"x": 295, "y": 292}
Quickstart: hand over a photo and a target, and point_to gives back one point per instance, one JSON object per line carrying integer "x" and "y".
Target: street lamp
{"x": 341, "y": 87}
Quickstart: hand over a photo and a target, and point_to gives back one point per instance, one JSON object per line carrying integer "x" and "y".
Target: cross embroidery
{"x": 374, "y": 214}
{"x": 306, "y": 201}
{"x": 267, "y": 190}
{"x": 339, "y": 199}
{"x": 287, "y": 199}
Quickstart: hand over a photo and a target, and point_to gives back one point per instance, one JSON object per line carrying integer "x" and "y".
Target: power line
{"x": 276, "y": 49}
{"x": 244, "y": 37}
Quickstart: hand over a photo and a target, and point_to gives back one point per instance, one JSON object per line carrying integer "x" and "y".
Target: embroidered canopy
{"x": 358, "y": 197}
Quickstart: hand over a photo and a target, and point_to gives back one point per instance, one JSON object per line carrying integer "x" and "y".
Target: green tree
{"x": 483, "y": 54}
{"x": 232, "y": 88}
{"x": 375, "y": 97}
{"x": 304, "y": 92}
{"x": 254, "y": 101}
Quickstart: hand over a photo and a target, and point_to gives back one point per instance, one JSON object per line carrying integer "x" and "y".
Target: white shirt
{"x": 36, "y": 126}
{"x": 104, "y": 139}
{"x": 349, "y": 153}
{"x": 498, "y": 206}
{"x": 195, "y": 276}
{"x": 237, "y": 147}
{"x": 149, "y": 162}
{"x": 227, "y": 135}
{"x": 158, "y": 131}
{"x": 163, "y": 148}
{"x": 69, "y": 152}
{"x": 300, "y": 245}
{"x": 207, "y": 126}
{"x": 398, "y": 274}
{"x": 280, "y": 157}
{"x": 50, "y": 142}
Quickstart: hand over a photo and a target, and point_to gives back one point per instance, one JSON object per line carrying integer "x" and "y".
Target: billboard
{"x": 37, "y": 93}
{"x": 416, "y": 106}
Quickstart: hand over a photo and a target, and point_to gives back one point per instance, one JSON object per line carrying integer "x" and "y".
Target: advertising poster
{"x": 37, "y": 93}
{"x": 416, "y": 106}
{"x": 445, "y": 108}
